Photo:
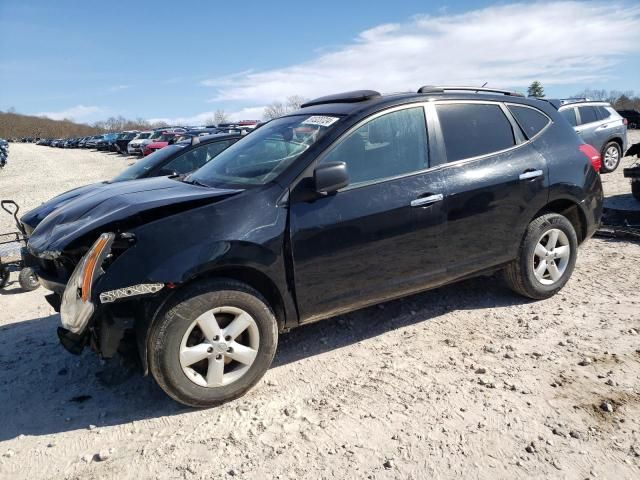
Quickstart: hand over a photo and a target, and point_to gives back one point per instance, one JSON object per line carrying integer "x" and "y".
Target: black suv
{"x": 354, "y": 199}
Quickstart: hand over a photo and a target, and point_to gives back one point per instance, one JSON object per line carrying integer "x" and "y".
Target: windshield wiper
{"x": 193, "y": 181}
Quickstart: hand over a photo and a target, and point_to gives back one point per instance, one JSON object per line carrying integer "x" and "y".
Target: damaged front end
{"x": 94, "y": 317}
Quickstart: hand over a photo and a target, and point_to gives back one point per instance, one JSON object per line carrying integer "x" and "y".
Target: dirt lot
{"x": 468, "y": 381}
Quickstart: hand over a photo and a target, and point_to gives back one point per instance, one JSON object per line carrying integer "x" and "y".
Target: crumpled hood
{"x": 112, "y": 203}
{"x": 33, "y": 217}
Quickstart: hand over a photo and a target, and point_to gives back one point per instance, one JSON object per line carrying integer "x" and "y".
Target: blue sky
{"x": 181, "y": 61}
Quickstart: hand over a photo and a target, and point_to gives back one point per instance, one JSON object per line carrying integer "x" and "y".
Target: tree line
{"x": 619, "y": 99}
{"x": 16, "y": 125}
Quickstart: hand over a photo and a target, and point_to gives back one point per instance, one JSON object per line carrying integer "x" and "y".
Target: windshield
{"x": 143, "y": 135}
{"x": 155, "y": 135}
{"x": 141, "y": 167}
{"x": 262, "y": 156}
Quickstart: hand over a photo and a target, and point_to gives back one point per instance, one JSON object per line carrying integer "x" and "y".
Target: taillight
{"x": 593, "y": 155}
{"x": 625, "y": 121}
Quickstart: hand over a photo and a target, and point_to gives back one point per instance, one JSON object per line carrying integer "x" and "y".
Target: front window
{"x": 260, "y": 157}
{"x": 390, "y": 145}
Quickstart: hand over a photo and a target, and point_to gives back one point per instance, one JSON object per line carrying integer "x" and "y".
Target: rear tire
{"x": 196, "y": 354}
{"x": 546, "y": 258}
{"x": 611, "y": 155}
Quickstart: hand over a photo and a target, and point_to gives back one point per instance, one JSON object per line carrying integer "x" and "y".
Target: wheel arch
{"x": 250, "y": 276}
{"x": 617, "y": 140}
{"x": 571, "y": 210}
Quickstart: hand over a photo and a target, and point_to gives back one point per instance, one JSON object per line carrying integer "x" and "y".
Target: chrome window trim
{"x": 490, "y": 154}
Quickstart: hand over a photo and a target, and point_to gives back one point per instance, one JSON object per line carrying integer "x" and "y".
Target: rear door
{"x": 380, "y": 236}
{"x": 496, "y": 180}
{"x": 590, "y": 126}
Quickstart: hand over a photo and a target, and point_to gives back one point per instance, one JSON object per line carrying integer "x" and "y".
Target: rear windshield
{"x": 142, "y": 167}
{"x": 261, "y": 156}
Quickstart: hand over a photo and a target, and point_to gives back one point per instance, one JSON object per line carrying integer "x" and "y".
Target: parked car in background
{"x": 160, "y": 142}
{"x": 178, "y": 159}
{"x": 123, "y": 140}
{"x": 632, "y": 117}
{"x": 93, "y": 141}
{"x": 134, "y": 147}
{"x": 104, "y": 143}
{"x": 345, "y": 203}
{"x": 599, "y": 125}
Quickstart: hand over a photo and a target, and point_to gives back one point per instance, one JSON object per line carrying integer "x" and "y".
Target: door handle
{"x": 424, "y": 201}
{"x": 531, "y": 174}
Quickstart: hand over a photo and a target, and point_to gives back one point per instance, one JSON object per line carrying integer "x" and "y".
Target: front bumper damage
{"x": 89, "y": 316}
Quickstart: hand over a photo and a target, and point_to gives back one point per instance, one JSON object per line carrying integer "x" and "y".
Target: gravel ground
{"x": 466, "y": 380}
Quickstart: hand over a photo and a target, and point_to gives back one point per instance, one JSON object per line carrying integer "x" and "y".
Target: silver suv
{"x": 599, "y": 125}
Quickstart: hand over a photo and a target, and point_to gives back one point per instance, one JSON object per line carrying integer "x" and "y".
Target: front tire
{"x": 611, "y": 155}
{"x": 546, "y": 258}
{"x": 28, "y": 279}
{"x": 212, "y": 343}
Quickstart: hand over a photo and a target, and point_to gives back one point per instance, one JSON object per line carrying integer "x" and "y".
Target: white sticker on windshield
{"x": 321, "y": 120}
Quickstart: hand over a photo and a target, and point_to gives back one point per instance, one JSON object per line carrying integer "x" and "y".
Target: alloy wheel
{"x": 611, "y": 157}
{"x": 219, "y": 347}
{"x": 551, "y": 256}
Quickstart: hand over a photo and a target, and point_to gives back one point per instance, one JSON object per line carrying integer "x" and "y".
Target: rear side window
{"x": 587, "y": 115}
{"x": 570, "y": 115}
{"x": 603, "y": 113}
{"x": 474, "y": 129}
{"x": 530, "y": 120}
{"x": 390, "y": 145}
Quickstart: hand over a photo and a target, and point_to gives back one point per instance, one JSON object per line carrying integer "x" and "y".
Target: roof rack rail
{"x": 439, "y": 89}
{"x": 346, "y": 97}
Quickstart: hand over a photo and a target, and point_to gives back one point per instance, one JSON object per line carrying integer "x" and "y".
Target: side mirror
{"x": 330, "y": 177}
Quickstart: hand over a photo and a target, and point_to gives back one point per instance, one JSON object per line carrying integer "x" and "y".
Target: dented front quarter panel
{"x": 243, "y": 231}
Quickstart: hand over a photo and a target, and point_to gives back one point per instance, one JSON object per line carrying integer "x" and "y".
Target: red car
{"x": 161, "y": 142}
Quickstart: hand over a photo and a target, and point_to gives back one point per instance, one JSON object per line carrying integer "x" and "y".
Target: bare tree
{"x": 274, "y": 110}
{"x": 294, "y": 102}
{"x": 278, "y": 109}
{"x": 220, "y": 117}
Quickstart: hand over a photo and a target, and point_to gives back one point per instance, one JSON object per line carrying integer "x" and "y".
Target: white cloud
{"x": 506, "y": 46}
{"x": 248, "y": 113}
{"x": 78, "y": 113}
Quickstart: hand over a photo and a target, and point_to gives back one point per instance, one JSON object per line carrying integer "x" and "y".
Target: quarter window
{"x": 474, "y": 129}
{"x": 530, "y": 120}
{"x": 390, "y": 145}
{"x": 603, "y": 113}
{"x": 570, "y": 115}
{"x": 587, "y": 115}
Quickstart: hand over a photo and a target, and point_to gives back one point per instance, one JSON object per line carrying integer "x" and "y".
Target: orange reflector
{"x": 90, "y": 266}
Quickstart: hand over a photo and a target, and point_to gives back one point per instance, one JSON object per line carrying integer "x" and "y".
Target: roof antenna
{"x": 483, "y": 85}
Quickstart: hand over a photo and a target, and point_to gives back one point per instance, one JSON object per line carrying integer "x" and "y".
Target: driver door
{"x": 380, "y": 236}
